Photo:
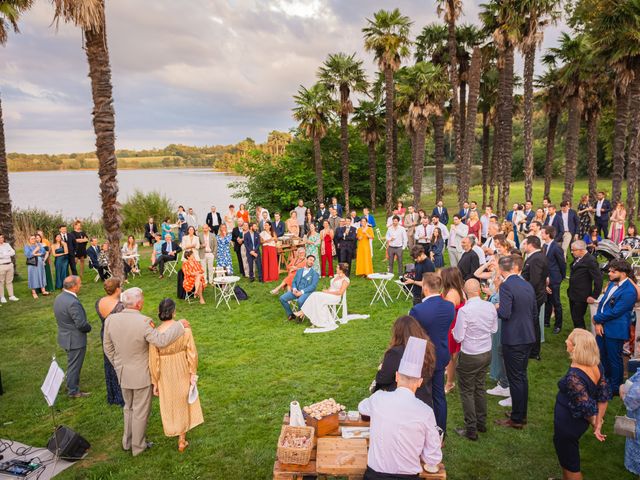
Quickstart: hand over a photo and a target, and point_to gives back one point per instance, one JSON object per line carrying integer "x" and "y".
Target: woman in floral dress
{"x": 312, "y": 245}
{"x": 224, "y": 251}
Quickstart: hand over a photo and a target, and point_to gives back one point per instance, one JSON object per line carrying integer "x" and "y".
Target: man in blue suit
{"x": 441, "y": 212}
{"x": 557, "y": 271}
{"x": 529, "y": 212}
{"x": 555, "y": 221}
{"x": 435, "y": 315}
{"x": 570, "y": 223}
{"x": 601, "y": 215}
{"x": 518, "y": 311}
{"x": 251, "y": 241}
{"x": 464, "y": 212}
{"x": 303, "y": 285}
{"x": 613, "y": 320}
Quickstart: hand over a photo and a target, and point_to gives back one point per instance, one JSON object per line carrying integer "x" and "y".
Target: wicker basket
{"x": 295, "y": 456}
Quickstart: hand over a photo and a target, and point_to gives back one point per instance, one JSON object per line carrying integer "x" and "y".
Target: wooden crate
{"x": 329, "y": 425}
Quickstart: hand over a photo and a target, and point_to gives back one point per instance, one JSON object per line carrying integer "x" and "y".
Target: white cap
{"x": 413, "y": 358}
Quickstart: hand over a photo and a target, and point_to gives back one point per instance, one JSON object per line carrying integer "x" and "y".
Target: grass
{"x": 252, "y": 364}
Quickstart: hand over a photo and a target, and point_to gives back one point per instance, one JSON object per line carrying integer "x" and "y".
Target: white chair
{"x": 172, "y": 267}
{"x": 381, "y": 238}
{"x": 403, "y": 290}
{"x": 339, "y": 310}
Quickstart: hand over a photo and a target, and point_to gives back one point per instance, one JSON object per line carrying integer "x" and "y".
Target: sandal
{"x": 34, "y": 294}
{"x": 448, "y": 387}
{"x": 182, "y": 446}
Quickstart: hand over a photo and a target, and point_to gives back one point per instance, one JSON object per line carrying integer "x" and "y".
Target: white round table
{"x": 227, "y": 285}
{"x": 380, "y": 281}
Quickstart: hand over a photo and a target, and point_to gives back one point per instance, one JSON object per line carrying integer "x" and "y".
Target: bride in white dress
{"x": 316, "y": 307}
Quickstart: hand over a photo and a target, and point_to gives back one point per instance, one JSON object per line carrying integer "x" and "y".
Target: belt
{"x": 8, "y": 263}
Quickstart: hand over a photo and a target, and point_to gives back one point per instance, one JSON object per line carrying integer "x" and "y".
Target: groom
{"x": 304, "y": 284}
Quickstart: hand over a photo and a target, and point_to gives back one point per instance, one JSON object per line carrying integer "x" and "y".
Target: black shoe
{"x": 79, "y": 395}
{"x": 556, "y": 330}
{"x": 482, "y": 428}
{"x": 535, "y": 357}
{"x": 149, "y": 445}
{"x": 547, "y": 325}
{"x": 291, "y": 317}
{"x": 463, "y": 432}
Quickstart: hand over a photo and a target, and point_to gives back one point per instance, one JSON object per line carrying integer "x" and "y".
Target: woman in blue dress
{"x": 583, "y": 394}
{"x": 60, "y": 251}
{"x": 36, "y": 275}
{"x": 166, "y": 228}
{"x": 437, "y": 248}
{"x": 630, "y": 395}
{"x": 224, "y": 250}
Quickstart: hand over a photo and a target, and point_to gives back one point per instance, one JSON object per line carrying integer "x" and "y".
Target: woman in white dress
{"x": 191, "y": 243}
{"x": 316, "y": 307}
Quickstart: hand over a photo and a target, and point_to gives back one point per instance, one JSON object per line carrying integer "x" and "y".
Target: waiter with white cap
{"x": 403, "y": 429}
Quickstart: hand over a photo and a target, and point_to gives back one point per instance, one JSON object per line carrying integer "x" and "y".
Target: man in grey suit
{"x": 126, "y": 344}
{"x": 72, "y": 332}
{"x": 208, "y": 251}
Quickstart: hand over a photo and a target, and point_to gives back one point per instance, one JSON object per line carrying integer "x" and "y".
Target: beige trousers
{"x": 6, "y": 279}
{"x": 208, "y": 266}
{"x": 137, "y": 406}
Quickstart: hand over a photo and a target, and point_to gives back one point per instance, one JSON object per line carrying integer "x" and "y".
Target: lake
{"x": 76, "y": 193}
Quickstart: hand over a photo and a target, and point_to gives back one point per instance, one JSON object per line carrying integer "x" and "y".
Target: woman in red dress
{"x": 268, "y": 239}
{"x": 475, "y": 225}
{"x": 327, "y": 249}
{"x": 453, "y": 291}
{"x": 193, "y": 275}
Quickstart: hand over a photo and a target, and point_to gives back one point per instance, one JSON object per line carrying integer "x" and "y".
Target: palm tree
{"x": 536, "y": 14}
{"x": 369, "y": 118}
{"x": 387, "y": 36}
{"x": 313, "y": 113}
{"x": 89, "y": 15}
{"x": 475, "y": 74}
{"x": 10, "y": 12}
{"x": 344, "y": 74}
{"x": 467, "y": 37}
{"x": 487, "y": 103}
{"x": 420, "y": 89}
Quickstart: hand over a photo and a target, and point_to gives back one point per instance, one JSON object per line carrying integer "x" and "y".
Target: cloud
{"x": 215, "y": 72}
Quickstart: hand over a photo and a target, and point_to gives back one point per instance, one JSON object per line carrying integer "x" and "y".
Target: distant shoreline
{"x": 119, "y": 168}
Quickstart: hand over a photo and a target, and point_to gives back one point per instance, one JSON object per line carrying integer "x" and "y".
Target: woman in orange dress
{"x": 193, "y": 275}
{"x": 243, "y": 213}
{"x": 297, "y": 261}
{"x": 453, "y": 291}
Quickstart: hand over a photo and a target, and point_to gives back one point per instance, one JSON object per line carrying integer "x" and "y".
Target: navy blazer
{"x": 558, "y": 224}
{"x": 435, "y": 315}
{"x": 171, "y": 246}
{"x": 444, "y": 217}
{"x": 615, "y": 314}
{"x": 347, "y": 241}
{"x": 574, "y": 222}
{"x": 604, "y": 211}
{"x": 338, "y": 208}
{"x": 279, "y": 228}
{"x": 93, "y": 255}
{"x": 464, "y": 216}
{"x": 252, "y": 244}
{"x": 530, "y": 216}
{"x": 557, "y": 263}
{"x": 517, "y": 310}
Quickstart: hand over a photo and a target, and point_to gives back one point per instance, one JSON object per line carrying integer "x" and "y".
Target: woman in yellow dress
{"x": 364, "y": 260}
{"x": 173, "y": 371}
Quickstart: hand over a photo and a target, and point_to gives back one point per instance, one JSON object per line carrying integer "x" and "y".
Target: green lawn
{"x": 252, "y": 364}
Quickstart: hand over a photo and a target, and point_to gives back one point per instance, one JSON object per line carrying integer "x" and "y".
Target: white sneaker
{"x": 505, "y": 403}
{"x": 499, "y": 391}
{"x": 13, "y": 298}
{"x": 3, "y": 300}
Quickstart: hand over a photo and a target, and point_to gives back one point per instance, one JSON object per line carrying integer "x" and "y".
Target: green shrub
{"x": 26, "y": 222}
{"x": 140, "y": 206}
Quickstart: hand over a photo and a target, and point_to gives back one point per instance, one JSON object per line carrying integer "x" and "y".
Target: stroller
{"x": 605, "y": 252}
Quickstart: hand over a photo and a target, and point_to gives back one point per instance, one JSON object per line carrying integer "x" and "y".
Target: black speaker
{"x": 67, "y": 444}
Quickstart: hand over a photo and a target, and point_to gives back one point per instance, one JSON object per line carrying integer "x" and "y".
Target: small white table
{"x": 404, "y": 289}
{"x": 227, "y": 285}
{"x": 380, "y": 281}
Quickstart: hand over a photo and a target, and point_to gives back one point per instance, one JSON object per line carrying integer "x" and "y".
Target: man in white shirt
{"x": 477, "y": 320}
{"x": 403, "y": 429}
{"x": 396, "y": 243}
{"x": 458, "y": 231}
{"x": 192, "y": 220}
{"x": 422, "y": 234}
{"x": 435, "y": 222}
{"x": 6, "y": 270}
{"x": 489, "y": 246}
{"x": 478, "y": 249}
{"x": 207, "y": 252}
{"x": 484, "y": 221}
{"x": 301, "y": 212}
{"x": 395, "y": 213}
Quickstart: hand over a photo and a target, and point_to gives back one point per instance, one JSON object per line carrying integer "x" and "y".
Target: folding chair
{"x": 403, "y": 289}
{"x": 381, "y": 238}
{"x": 339, "y": 310}
{"x": 171, "y": 267}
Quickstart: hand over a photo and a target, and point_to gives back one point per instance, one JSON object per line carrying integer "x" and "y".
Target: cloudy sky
{"x": 200, "y": 72}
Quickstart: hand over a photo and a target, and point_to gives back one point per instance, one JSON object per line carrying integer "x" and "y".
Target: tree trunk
{"x": 506, "y": 125}
{"x": 373, "y": 179}
{"x": 463, "y": 111}
{"x": 418, "y": 161}
{"x": 344, "y": 143}
{"x": 494, "y": 197}
{"x": 104, "y": 127}
{"x": 395, "y": 158}
{"x": 571, "y": 147}
{"x": 470, "y": 126}
{"x": 453, "y": 76}
{"x": 317, "y": 162}
{"x": 619, "y": 143}
{"x": 551, "y": 144}
{"x": 592, "y": 152}
{"x": 389, "y": 119}
{"x": 438, "y": 154}
{"x": 634, "y": 137}
{"x": 6, "y": 215}
{"x": 529, "y": 63}
{"x": 486, "y": 132}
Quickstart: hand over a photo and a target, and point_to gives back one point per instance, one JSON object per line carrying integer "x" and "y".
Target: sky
{"x": 213, "y": 73}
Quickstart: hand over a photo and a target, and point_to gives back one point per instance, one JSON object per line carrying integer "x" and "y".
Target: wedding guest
{"x": 127, "y": 335}
{"x": 150, "y": 231}
{"x": 506, "y": 229}
{"x": 411, "y": 221}
{"x": 105, "y": 306}
{"x": 353, "y": 219}
{"x": 458, "y": 231}
{"x": 301, "y": 213}
{"x": 278, "y": 224}
{"x": 585, "y": 211}
{"x": 583, "y": 395}
{"x": 327, "y": 249}
{"x": 585, "y": 282}
{"x": 540, "y": 216}
{"x": 336, "y": 206}
{"x": 475, "y": 226}
{"x": 71, "y": 255}
{"x": 316, "y": 307}
{"x": 243, "y": 213}
{"x": 437, "y": 248}
{"x": 297, "y": 262}
{"x": 182, "y": 223}
{"x": 630, "y": 395}
{"x": 464, "y": 212}
{"x": 173, "y": 370}
{"x": 322, "y": 214}
{"x": 481, "y": 232}
{"x": 469, "y": 261}
{"x": 252, "y": 241}
{"x": 401, "y": 210}
{"x": 396, "y": 243}
{"x": 570, "y": 224}
{"x": 237, "y": 238}
{"x": 208, "y": 250}
{"x": 546, "y": 201}
{"x": 370, "y": 218}
{"x": 422, "y": 234}
{"x": 536, "y": 272}
{"x": 260, "y": 213}
{"x": 613, "y": 319}
{"x": 601, "y": 214}
{"x": 304, "y": 284}
{"x": 441, "y": 212}
{"x": 79, "y": 240}
{"x": 556, "y": 261}
{"x": 230, "y": 218}
{"x": 6, "y": 270}
{"x": 263, "y": 220}
{"x": 334, "y": 219}
{"x": 156, "y": 252}
{"x": 103, "y": 259}
{"x": 436, "y": 223}
{"x": 166, "y": 227}
{"x": 403, "y": 328}
{"x": 169, "y": 253}
{"x": 130, "y": 253}
{"x": 268, "y": 240}
{"x": 191, "y": 243}
{"x": 452, "y": 291}
{"x": 308, "y": 221}
{"x": 422, "y": 265}
{"x": 194, "y": 279}
{"x": 40, "y": 238}
{"x": 364, "y": 255}
{"x": 224, "y": 250}
{"x": 630, "y": 246}
{"x": 312, "y": 246}
{"x": 214, "y": 220}
{"x": 192, "y": 219}
{"x": 244, "y": 252}
{"x": 293, "y": 227}
{"x": 476, "y": 321}
{"x": 618, "y": 217}
{"x": 592, "y": 239}
{"x": 34, "y": 252}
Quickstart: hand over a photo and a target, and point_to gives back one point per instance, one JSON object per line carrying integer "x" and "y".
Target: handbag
{"x": 32, "y": 261}
{"x": 625, "y": 426}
